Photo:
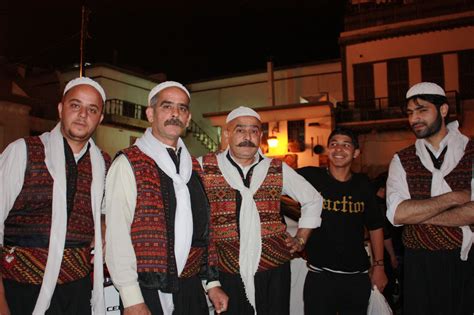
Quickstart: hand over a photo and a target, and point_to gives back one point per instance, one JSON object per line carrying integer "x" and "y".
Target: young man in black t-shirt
{"x": 338, "y": 279}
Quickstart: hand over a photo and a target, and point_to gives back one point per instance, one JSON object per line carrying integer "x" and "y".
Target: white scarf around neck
{"x": 56, "y": 164}
{"x": 457, "y": 143}
{"x": 250, "y": 228}
{"x": 183, "y": 224}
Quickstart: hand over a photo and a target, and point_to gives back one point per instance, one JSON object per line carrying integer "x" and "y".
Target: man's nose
{"x": 414, "y": 117}
{"x": 83, "y": 111}
{"x": 247, "y": 134}
{"x": 174, "y": 111}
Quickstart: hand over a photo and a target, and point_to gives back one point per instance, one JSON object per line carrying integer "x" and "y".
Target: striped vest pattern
{"x": 224, "y": 218}
{"x": 29, "y": 221}
{"x": 152, "y": 236}
{"x": 427, "y": 236}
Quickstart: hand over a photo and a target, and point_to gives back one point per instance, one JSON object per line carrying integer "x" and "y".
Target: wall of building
{"x": 253, "y": 90}
{"x": 112, "y": 139}
{"x": 14, "y": 123}
{"x": 118, "y": 84}
{"x": 445, "y": 42}
{"x": 378, "y": 148}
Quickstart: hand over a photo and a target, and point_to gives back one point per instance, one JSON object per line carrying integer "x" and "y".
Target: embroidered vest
{"x": 426, "y": 236}
{"x": 224, "y": 218}
{"x": 27, "y": 227}
{"x": 152, "y": 230}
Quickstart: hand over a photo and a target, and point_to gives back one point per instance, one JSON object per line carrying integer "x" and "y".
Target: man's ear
{"x": 444, "y": 110}
{"x": 226, "y": 135}
{"x": 189, "y": 120}
{"x": 149, "y": 113}
{"x": 356, "y": 153}
{"x": 60, "y": 109}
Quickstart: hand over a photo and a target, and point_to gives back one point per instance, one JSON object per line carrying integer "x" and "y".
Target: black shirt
{"x": 348, "y": 207}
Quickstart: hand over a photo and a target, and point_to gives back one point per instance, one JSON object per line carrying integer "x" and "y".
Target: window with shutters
{"x": 432, "y": 69}
{"x": 364, "y": 91}
{"x": 397, "y": 79}
{"x": 466, "y": 74}
{"x": 296, "y": 136}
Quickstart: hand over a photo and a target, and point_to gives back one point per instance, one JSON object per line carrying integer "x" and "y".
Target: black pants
{"x": 272, "y": 292}
{"x": 328, "y": 293}
{"x": 189, "y": 300}
{"x": 68, "y": 299}
{"x": 438, "y": 283}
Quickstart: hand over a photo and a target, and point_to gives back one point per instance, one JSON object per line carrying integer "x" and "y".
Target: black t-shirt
{"x": 338, "y": 244}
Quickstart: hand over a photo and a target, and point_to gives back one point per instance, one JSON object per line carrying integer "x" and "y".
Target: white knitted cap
{"x": 242, "y": 111}
{"x": 425, "y": 88}
{"x": 157, "y": 89}
{"x": 86, "y": 81}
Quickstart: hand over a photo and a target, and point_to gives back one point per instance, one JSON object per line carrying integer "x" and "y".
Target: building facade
{"x": 386, "y": 47}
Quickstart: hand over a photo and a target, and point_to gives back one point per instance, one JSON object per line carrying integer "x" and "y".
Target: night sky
{"x": 187, "y": 40}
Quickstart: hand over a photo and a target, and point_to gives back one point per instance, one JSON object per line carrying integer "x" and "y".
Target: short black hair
{"x": 346, "y": 132}
{"x": 435, "y": 99}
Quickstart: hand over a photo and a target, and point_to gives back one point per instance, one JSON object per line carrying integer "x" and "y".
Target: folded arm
{"x": 458, "y": 216}
{"x": 401, "y": 209}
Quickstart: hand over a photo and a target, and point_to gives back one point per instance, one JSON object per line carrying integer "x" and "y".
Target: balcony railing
{"x": 125, "y": 109}
{"x": 134, "y": 115}
{"x": 382, "y": 109}
{"x": 369, "y": 14}
{"x": 202, "y": 136}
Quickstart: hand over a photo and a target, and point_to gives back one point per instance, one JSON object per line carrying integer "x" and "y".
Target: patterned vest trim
{"x": 152, "y": 233}
{"x": 427, "y": 236}
{"x": 27, "y": 227}
{"x": 223, "y": 200}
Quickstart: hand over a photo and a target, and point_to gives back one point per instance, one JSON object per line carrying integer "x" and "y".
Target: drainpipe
{"x": 271, "y": 84}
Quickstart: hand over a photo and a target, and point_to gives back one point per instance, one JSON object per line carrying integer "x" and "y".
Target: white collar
{"x": 441, "y": 146}
{"x": 167, "y": 146}
{"x": 246, "y": 168}
{"x": 77, "y": 156}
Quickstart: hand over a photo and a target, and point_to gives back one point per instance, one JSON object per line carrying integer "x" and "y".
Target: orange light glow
{"x": 272, "y": 142}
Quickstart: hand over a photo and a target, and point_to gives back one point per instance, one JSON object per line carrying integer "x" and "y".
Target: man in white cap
{"x": 244, "y": 189}
{"x": 51, "y": 192}
{"x": 159, "y": 237}
{"x": 429, "y": 192}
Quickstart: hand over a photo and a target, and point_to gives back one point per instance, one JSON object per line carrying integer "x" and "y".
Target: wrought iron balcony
{"x": 382, "y": 112}
{"x": 120, "y": 112}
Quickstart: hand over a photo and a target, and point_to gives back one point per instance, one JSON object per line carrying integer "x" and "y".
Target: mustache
{"x": 247, "y": 143}
{"x": 174, "y": 122}
{"x": 417, "y": 124}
